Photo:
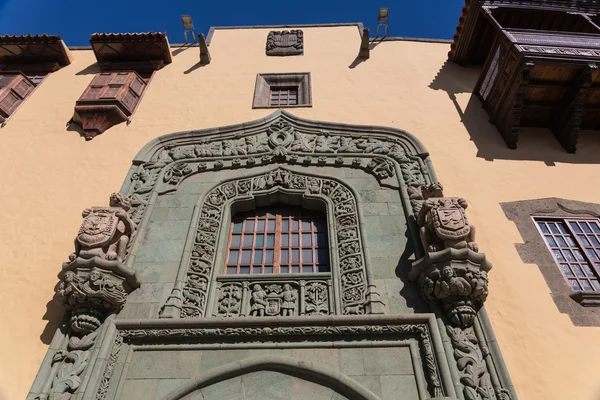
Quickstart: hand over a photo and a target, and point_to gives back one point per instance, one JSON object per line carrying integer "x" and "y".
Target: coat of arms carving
{"x": 443, "y": 221}
{"x": 285, "y": 43}
{"x": 105, "y": 231}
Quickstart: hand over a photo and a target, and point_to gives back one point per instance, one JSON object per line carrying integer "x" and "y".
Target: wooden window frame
{"x": 278, "y": 91}
{"x": 573, "y": 268}
{"x": 318, "y": 248}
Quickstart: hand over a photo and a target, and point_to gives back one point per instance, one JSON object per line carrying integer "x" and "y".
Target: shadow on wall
{"x": 53, "y": 316}
{"x": 410, "y": 291}
{"x": 91, "y": 69}
{"x": 535, "y": 144}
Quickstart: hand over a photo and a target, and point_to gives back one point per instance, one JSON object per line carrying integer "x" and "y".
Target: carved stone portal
{"x": 452, "y": 272}
{"x": 285, "y": 43}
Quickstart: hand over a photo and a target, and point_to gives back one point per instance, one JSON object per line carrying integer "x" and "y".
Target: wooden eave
{"x": 138, "y": 51}
{"x": 471, "y": 40}
{"x": 45, "y": 53}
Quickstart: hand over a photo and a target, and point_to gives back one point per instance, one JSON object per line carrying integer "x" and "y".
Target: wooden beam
{"x": 510, "y": 115}
{"x": 567, "y": 122}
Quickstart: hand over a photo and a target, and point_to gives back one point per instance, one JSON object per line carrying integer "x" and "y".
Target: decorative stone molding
{"x": 285, "y": 43}
{"x": 190, "y": 299}
{"x": 316, "y": 328}
{"x": 452, "y": 271}
{"x": 297, "y": 368}
{"x": 470, "y": 358}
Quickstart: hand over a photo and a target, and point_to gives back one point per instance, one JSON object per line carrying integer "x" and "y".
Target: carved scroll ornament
{"x": 452, "y": 271}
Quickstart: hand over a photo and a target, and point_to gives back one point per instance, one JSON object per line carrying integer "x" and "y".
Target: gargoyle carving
{"x": 443, "y": 221}
{"x": 105, "y": 231}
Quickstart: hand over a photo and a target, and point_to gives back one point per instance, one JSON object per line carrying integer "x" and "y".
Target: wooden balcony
{"x": 542, "y": 79}
{"x": 540, "y": 68}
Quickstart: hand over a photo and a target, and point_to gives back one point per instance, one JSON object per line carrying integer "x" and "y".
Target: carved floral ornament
{"x": 393, "y": 157}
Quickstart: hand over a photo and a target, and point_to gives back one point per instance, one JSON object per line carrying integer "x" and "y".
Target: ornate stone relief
{"x": 285, "y": 43}
{"x": 93, "y": 285}
{"x": 354, "y": 293}
{"x": 452, "y": 271}
{"x": 271, "y": 298}
{"x": 470, "y": 357}
{"x": 279, "y": 141}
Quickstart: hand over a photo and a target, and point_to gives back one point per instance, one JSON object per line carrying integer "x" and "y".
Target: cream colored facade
{"x": 50, "y": 174}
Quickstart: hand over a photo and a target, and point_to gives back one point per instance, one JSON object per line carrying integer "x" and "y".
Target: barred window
{"x": 575, "y": 246}
{"x": 284, "y": 96}
{"x": 277, "y": 240}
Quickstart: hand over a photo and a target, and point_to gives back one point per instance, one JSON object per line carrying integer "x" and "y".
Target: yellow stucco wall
{"x": 50, "y": 174}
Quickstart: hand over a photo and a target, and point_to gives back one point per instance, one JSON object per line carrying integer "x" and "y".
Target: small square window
{"x": 282, "y": 90}
{"x": 283, "y": 96}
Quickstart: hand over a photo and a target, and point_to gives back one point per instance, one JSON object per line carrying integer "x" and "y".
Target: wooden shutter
{"x": 111, "y": 98}
{"x": 14, "y": 89}
{"x": 122, "y": 89}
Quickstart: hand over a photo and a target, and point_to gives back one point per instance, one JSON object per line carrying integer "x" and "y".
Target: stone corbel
{"x": 364, "y": 51}
{"x": 204, "y": 53}
{"x": 452, "y": 272}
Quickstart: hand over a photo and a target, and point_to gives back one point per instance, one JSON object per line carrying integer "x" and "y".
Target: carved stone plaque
{"x": 285, "y": 43}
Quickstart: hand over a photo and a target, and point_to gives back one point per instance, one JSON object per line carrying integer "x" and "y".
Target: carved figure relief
{"x": 89, "y": 296}
{"x": 285, "y": 43}
{"x": 273, "y": 298}
{"x": 105, "y": 231}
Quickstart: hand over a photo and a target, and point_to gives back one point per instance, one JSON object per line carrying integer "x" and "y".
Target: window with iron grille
{"x": 575, "y": 246}
{"x": 278, "y": 240}
{"x": 282, "y": 90}
{"x": 283, "y": 96}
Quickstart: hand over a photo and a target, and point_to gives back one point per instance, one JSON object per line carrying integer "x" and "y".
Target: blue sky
{"x": 75, "y": 20}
